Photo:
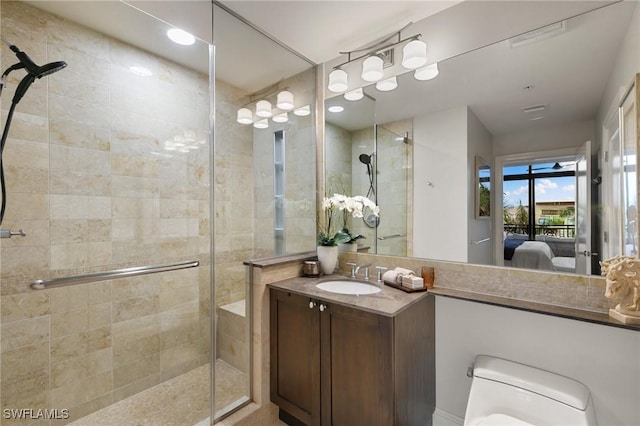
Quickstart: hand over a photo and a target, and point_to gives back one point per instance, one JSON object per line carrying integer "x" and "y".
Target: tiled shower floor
{"x": 181, "y": 401}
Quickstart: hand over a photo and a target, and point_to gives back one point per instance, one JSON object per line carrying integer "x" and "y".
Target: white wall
{"x": 606, "y": 359}
{"x": 440, "y": 213}
{"x": 479, "y": 143}
{"x": 626, "y": 66}
{"x": 549, "y": 138}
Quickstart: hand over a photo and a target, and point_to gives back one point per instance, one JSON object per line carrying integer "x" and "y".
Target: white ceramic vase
{"x": 348, "y": 247}
{"x": 328, "y": 257}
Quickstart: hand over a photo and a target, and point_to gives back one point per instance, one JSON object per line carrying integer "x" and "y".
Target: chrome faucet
{"x": 355, "y": 268}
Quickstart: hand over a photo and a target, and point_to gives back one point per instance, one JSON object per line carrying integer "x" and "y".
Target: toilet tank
{"x": 504, "y": 392}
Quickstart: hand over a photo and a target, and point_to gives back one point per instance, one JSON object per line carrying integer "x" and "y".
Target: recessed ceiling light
{"x": 336, "y": 108}
{"x": 181, "y": 37}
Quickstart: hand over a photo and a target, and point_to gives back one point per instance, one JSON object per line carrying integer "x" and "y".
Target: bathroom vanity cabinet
{"x": 333, "y": 364}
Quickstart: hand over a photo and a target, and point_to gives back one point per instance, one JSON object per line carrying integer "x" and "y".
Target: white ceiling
{"x": 568, "y": 73}
{"x": 319, "y": 29}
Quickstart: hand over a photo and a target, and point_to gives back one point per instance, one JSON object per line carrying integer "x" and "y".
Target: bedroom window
{"x": 550, "y": 188}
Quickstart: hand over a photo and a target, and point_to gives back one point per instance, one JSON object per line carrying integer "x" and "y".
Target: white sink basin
{"x": 348, "y": 287}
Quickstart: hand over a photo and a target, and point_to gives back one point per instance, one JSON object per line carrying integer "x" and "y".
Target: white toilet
{"x": 507, "y": 393}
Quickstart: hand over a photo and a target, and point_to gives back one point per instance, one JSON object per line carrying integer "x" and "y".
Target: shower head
{"x": 33, "y": 71}
{"x": 30, "y": 66}
{"x": 365, "y": 159}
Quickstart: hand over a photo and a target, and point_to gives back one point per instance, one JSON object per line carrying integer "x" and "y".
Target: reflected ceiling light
{"x": 281, "y": 118}
{"x": 245, "y": 116}
{"x": 181, "y": 37}
{"x": 427, "y": 73}
{"x": 354, "y": 95}
{"x": 285, "y": 100}
{"x": 372, "y": 68}
{"x": 338, "y": 81}
{"x": 414, "y": 54}
{"x": 263, "y": 109}
{"x": 387, "y": 85}
{"x": 335, "y": 108}
{"x": 303, "y": 111}
{"x": 261, "y": 124}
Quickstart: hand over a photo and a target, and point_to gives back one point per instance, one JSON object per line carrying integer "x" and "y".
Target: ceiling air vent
{"x": 538, "y": 34}
{"x": 533, "y": 109}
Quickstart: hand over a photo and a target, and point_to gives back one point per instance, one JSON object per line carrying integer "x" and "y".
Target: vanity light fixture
{"x": 263, "y": 109}
{"x": 245, "y": 116}
{"x": 335, "y": 108}
{"x": 354, "y": 95}
{"x": 273, "y": 102}
{"x": 181, "y": 37}
{"x": 427, "y": 73}
{"x": 280, "y": 118}
{"x": 387, "y": 85}
{"x": 303, "y": 111}
{"x": 285, "y": 100}
{"x": 378, "y": 56}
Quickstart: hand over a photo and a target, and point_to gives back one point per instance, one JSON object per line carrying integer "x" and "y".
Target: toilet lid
{"x": 502, "y": 420}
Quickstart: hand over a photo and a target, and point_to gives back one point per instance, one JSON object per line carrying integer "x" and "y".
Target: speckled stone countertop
{"x": 388, "y": 302}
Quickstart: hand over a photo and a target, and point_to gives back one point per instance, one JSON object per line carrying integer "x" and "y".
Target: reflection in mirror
{"x": 513, "y": 103}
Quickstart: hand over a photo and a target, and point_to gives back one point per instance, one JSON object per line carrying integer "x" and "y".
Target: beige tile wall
{"x": 91, "y": 183}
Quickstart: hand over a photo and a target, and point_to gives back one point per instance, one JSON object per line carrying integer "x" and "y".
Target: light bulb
{"x": 427, "y": 73}
{"x": 263, "y": 109}
{"x": 285, "y": 101}
{"x": 281, "y": 118}
{"x": 303, "y": 111}
{"x": 354, "y": 95}
{"x": 261, "y": 124}
{"x": 414, "y": 54}
{"x": 372, "y": 68}
{"x": 387, "y": 85}
{"x": 244, "y": 116}
{"x": 338, "y": 81}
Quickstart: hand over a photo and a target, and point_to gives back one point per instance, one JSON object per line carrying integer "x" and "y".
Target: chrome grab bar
{"x": 484, "y": 240}
{"x": 110, "y": 275}
{"x": 388, "y": 237}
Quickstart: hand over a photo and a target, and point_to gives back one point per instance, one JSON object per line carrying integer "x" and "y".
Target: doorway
{"x": 545, "y": 211}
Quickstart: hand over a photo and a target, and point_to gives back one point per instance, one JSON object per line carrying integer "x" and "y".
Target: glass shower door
{"x": 107, "y": 166}
{"x": 393, "y": 191}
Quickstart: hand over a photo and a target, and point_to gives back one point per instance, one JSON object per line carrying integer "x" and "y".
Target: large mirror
{"x": 531, "y": 106}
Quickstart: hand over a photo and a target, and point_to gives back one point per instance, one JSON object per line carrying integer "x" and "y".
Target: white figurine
{"x": 622, "y": 274}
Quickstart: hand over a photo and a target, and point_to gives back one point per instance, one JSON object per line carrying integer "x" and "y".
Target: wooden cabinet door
{"x": 356, "y": 365}
{"x": 295, "y": 356}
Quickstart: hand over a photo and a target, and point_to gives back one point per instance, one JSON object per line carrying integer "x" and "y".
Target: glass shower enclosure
{"x": 126, "y": 171}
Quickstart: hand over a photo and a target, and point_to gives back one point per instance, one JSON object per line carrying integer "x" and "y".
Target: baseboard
{"x": 444, "y": 418}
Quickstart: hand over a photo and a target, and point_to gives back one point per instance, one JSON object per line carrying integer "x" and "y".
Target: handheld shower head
{"x": 33, "y": 71}
{"x": 365, "y": 159}
{"x": 50, "y": 68}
